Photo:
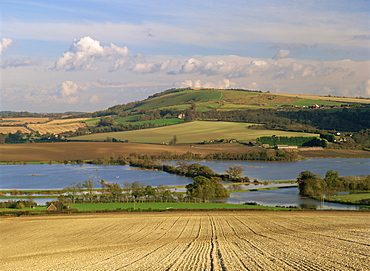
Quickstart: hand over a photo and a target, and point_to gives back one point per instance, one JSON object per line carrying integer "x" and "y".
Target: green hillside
{"x": 221, "y": 99}
{"x": 192, "y": 132}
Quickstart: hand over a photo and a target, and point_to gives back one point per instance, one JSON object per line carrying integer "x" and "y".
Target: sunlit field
{"x": 192, "y": 132}
{"x": 251, "y": 240}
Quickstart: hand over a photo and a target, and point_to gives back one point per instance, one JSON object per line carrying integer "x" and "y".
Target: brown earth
{"x": 335, "y": 153}
{"x": 249, "y": 240}
{"x": 94, "y": 150}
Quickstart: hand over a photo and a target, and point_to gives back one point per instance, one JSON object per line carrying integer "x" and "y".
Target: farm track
{"x": 188, "y": 241}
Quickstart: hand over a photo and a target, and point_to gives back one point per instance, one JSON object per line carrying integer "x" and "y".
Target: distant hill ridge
{"x": 206, "y": 99}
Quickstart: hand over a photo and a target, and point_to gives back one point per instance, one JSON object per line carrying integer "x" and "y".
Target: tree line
{"x": 311, "y": 185}
{"x": 294, "y": 140}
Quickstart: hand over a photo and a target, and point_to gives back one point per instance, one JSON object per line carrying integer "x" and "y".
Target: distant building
{"x": 286, "y": 147}
{"x": 51, "y": 207}
{"x": 181, "y": 116}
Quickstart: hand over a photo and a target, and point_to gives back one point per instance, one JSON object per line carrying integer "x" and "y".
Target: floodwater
{"x": 60, "y": 176}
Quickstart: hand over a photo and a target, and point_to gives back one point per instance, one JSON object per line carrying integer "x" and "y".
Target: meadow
{"x": 20, "y": 121}
{"x": 351, "y": 197}
{"x": 56, "y": 127}
{"x": 166, "y": 205}
{"x": 217, "y": 240}
{"x": 14, "y": 129}
{"x": 192, "y": 132}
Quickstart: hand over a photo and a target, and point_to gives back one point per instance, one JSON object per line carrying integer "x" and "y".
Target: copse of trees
{"x": 312, "y": 185}
{"x": 206, "y": 189}
{"x": 295, "y": 140}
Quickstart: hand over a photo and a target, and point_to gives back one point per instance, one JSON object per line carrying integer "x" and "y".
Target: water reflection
{"x": 284, "y": 197}
{"x": 60, "y": 176}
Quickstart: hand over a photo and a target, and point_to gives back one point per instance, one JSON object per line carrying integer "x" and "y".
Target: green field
{"x": 192, "y": 132}
{"x": 164, "y": 206}
{"x": 92, "y": 122}
{"x": 355, "y": 198}
{"x": 209, "y": 99}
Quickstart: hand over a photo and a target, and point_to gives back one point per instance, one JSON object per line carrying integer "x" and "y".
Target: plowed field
{"x": 188, "y": 241}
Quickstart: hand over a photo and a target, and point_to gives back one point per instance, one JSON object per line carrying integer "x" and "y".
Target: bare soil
{"x": 94, "y": 150}
{"x": 188, "y": 241}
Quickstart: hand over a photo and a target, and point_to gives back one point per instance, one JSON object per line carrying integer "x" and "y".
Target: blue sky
{"x": 87, "y": 55}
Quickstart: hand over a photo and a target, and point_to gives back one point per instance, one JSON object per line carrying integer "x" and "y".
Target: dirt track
{"x": 188, "y": 241}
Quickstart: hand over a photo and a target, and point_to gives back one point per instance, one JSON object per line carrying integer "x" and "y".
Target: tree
{"x": 71, "y": 191}
{"x": 2, "y": 138}
{"x": 310, "y": 184}
{"x": 149, "y": 192}
{"x": 89, "y": 185}
{"x": 173, "y": 141}
{"x": 235, "y": 173}
{"x": 107, "y": 121}
{"x": 197, "y": 169}
{"x": 205, "y": 189}
{"x": 332, "y": 179}
{"x": 115, "y": 190}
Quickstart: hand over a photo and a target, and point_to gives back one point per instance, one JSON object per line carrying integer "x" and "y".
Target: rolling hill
{"x": 229, "y": 99}
{"x": 192, "y": 132}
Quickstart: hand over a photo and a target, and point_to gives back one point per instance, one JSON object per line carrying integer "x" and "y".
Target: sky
{"x": 88, "y": 55}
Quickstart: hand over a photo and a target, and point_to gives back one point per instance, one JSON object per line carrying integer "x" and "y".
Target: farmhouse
{"x": 51, "y": 207}
{"x": 286, "y": 147}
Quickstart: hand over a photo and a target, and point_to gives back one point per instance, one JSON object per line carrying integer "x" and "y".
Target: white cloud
{"x": 281, "y": 54}
{"x": 83, "y": 52}
{"x": 366, "y": 87}
{"x": 94, "y": 99}
{"x": 223, "y": 84}
{"x": 150, "y": 67}
{"x": 68, "y": 88}
{"x": 5, "y": 43}
{"x": 72, "y": 100}
{"x": 192, "y": 65}
{"x": 18, "y": 62}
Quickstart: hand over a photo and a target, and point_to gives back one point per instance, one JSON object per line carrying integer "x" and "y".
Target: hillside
{"x": 276, "y": 112}
{"x": 192, "y": 132}
{"x": 229, "y": 99}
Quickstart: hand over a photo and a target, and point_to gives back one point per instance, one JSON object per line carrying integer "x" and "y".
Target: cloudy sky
{"x": 88, "y": 55}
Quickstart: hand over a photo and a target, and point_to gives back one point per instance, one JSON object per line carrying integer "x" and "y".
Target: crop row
{"x": 188, "y": 241}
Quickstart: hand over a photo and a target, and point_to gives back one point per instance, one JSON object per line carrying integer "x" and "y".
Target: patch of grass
{"x": 351, "y": 197}
{"x": 92, "y": 122}
{"x": 163, "y": 206}
{"x": 163, "y": 122}
{"x": 132, "y": 118}
{"x": 38, "y": 208}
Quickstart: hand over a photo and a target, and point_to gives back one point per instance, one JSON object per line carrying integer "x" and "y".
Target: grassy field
{"x": 20, "y": 121}
{"x": 191, "y": 132}
{"x": 326, "y": 98}
{"x": 208, "y": 99}
{"x": 351, "y": 197}
{"x": 160, "y": 122}
{"x": 56, "y": 128}
{"x": 166, "y": 205}
{"x": 14, "y": 129}
{"x": 187, "y": 241}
